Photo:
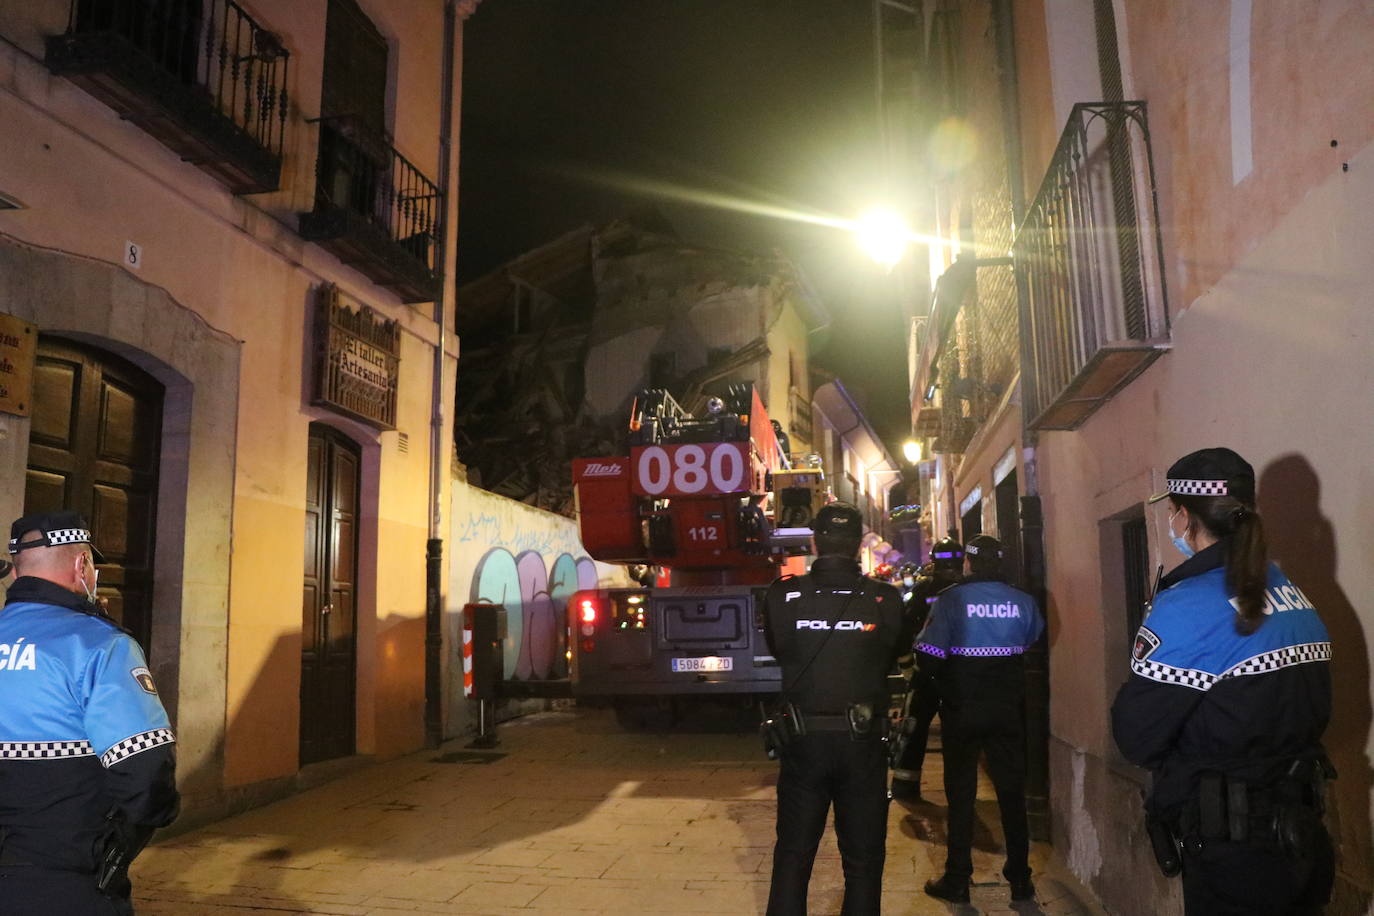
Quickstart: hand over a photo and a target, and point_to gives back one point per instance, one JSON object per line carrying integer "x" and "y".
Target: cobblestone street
{"x": 570, "y": 815}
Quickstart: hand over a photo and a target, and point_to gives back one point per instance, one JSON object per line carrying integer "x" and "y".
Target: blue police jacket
{"x": 84, "y": 739}
{"x": 1203, "y": 697}
{"x": 974, "y": 641}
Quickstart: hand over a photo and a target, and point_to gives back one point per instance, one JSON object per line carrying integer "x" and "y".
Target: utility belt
{"x": 786, "y": 723}
{"x": 1285, "y": 815}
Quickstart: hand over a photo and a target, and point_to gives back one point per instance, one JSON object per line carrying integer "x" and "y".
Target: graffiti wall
{"x": 527, "y": 560}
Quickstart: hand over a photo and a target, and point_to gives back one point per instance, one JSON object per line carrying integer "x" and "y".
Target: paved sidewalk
{"x": 577, "y": 818}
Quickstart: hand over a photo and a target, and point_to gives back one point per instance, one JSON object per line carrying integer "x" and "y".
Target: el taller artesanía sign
{"x": 357, "y": 360}
{"x": 18, "y": 346}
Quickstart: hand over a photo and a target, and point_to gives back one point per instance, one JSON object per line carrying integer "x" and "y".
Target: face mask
{"x": 95, "y": 584}
{"x": 1180, "y": 541}
{"x": 908, "y": 581}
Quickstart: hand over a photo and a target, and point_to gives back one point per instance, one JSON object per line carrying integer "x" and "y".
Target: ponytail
{"x": 1247, "y": 568}
{"x": 1247, "y": 552}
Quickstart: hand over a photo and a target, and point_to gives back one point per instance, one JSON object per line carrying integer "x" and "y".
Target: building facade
{"x": 1155, "y": 241}
{"x": 225, "y": 226}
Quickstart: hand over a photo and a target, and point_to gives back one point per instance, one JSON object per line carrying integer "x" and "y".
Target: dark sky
{"x": 573, "y": 108}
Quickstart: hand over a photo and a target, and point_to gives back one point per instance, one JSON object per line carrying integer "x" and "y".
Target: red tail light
{"x": 587, "y": 610}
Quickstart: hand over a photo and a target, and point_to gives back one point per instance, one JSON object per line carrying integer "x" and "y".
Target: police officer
{"x": 836, "y": 634}
{"x": 1230, "y": 691}
{"x": 946, "y": 569}
{"x": 973, "y": 647}
{"x": 87, "y": 760}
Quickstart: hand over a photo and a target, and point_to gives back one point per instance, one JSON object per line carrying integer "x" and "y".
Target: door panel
{"x": 94, "y": 447}
{"x": 328, "y": 606}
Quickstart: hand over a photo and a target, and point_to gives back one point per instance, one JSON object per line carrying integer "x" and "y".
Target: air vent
{"x": 403, "y": 443}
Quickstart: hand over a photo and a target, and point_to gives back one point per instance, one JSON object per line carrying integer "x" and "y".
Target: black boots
{"x": 949, "y": 887}
{"x": 1022, "y": 890}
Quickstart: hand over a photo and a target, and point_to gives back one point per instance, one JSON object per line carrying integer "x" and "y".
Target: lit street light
{"x": 883, "y": 235}
{"x": 911, "y": 451}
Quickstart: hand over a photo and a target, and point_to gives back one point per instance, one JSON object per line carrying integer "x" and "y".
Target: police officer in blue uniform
{"x": 87, "y": 763}
{"x": 1230, "y": 691}
{"x": 973, "y": 647}
{"x": 836, "y": 633}
{"x": 923, "y": 698}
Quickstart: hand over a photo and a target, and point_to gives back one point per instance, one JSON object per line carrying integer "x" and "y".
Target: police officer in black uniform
{"x": 946, "y": 569}
{"x": 87, "y": 766}
{"x": 1229, "y": 694}
{"x": 973, "y": 647}
{"x": 836, "y": 633}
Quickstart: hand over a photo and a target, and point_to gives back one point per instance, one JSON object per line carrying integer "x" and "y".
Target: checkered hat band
{"x": 61, "y": 536}
{"x": 44, "y": 750}
{"x": 137, "y": 744}
{"x": 1197, "y": 487}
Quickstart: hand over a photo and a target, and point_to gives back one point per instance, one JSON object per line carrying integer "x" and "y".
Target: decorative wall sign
{"x": 357, "y": 360}
{"x": 18, "y": 345}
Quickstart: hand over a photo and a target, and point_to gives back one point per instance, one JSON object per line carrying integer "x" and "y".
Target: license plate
{"x": 704, "y": 663}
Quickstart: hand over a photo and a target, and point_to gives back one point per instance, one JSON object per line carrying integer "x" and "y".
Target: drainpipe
{"x": 1031, "y": 516}
{"x": 434, "y": 547}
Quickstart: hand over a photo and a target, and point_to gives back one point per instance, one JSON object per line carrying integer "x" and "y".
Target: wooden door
{"x": 94, "y": 446}
{"x": 329, "y": 597}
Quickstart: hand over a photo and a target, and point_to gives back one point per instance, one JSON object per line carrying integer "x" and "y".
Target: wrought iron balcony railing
{"x": 1095, "y": 313}
{"x": 201, "y": 76}
{"x": 374, "y": 209}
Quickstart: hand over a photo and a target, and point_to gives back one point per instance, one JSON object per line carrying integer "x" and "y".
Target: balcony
{"x": 1095, "y": 314}
{"x": 201, "y": 76}
{"x": 374, "y": 210}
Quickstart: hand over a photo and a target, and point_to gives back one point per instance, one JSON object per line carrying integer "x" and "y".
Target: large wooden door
{"x": 329, "y": 597}
{"x": 93, "y": 446}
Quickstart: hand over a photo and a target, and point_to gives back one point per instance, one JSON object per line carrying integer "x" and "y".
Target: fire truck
{"x": 711, "y": 499}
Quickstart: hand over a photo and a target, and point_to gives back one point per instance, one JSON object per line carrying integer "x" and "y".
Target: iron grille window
{"x": 1135, "y": 558}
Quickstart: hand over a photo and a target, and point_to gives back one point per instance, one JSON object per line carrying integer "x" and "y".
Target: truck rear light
{"x": 587, "y": 610}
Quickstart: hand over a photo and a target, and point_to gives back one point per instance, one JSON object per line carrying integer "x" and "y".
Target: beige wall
{"x": 92, "y": 182}
{"x": 1268, "y": 277}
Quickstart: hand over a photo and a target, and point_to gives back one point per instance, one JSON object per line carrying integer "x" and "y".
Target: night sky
{"x": 574, "y": 109}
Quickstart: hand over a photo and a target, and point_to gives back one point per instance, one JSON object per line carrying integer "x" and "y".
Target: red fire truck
{"x": 710, "y": 498}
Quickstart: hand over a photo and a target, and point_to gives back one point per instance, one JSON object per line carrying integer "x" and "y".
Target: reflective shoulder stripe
{"x": 928, "y": 649}
{"x": 1282, "y": 658}
{"x": 1168, "y": 674}
{"x": 136, "y": 744}
{"x": 986, "y": 651}
{"x": 45, "y": 750}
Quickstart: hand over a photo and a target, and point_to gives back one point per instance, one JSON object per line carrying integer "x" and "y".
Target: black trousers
{"x": 26, "y": 890}
{"x": 925, "y": 703}
{"x": 1244, "y": 879}
{"x": 820, "y": 769}
{"x": 999, "y": 732}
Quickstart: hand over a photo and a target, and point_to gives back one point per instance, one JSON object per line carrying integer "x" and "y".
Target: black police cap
{"x": 839, "y": 519}
{"x": 54, "y": 530}
{"x": 947, "y": 550}
{"x": 1210, "y": 472}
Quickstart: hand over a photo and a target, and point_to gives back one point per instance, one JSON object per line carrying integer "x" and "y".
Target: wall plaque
{"x": 357, "y": 360}
{"x": 18, "y": 345}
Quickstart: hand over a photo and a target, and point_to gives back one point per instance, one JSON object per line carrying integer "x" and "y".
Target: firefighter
{"x": 836, "y": 634}
{"x": 945, "y": 570}
{"x": 87, "y": 761}
{"x": 1230, "y": 691}
{"x": 973, "y": 647}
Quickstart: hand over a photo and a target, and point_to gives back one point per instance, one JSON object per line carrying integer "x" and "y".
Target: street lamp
{"x": 911, "y": 451}
{"x": 883, "y": 235}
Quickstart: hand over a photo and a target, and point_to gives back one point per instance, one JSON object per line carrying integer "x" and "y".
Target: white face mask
{"x": 1180, "y": 540}
{"x": 95, "y": 582}
{"x": 908, "y": 581}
